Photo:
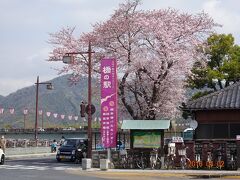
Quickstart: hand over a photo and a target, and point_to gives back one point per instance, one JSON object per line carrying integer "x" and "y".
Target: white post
{"x": 106, "y": 163}
{"x": 109, "y": 154}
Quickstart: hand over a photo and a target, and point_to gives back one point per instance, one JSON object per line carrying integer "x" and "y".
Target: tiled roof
{"x": 145, "y": 124}
{"x": 227, "y": 98}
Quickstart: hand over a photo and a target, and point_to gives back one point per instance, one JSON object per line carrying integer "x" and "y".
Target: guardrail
{"x": 12, "y": 142}
{"x": 32, "y": 130}
{"x": 24, "y": 143}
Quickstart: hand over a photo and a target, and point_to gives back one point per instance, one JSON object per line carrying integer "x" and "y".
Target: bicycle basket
{"x": 182, "y": 152}
{"x": 123, "y": 152}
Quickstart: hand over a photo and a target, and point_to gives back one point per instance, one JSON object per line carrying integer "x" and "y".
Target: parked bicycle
{"x": 155, "y": 161}
{"x": 170, "y": 158}
{"x": 220, "y": 162}
{"x": 141, "y": 161}
{"x": 232, "y": 162}
{"x": 209, "y": 162}
{"x": 123, "y": 158}
{"x": 169, "y": 161}
{"x": 198, "y": 162}
{"x": 184, "y": 160}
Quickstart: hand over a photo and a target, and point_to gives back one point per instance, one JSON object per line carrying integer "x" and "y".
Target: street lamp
{"x": 49, "y": 87}
{"x": 68, "y": 59}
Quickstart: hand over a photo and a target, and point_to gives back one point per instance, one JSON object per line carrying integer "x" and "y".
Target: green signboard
{"x": 146, "y": 139}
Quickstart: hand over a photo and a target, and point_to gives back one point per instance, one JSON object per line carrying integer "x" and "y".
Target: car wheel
{"x": 2, "y": 159}
{"x": 58, "y": 159}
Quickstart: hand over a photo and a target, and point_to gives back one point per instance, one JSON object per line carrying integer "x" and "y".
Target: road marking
{"x": 40, "y": 168}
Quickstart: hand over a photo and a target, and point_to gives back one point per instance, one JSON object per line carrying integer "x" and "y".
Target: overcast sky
{"x": 25, "y": 26}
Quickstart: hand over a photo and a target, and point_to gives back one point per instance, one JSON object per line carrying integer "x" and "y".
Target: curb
{"x": 144, "y": 174}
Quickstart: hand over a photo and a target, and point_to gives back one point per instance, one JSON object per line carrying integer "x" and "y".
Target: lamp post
{"x": 50, "y": 87}
{"x": 68, "y": 59}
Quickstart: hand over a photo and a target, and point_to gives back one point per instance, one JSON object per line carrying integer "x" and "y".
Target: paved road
{"x": 47, "y": 168}
{"x": 40, "y": 169}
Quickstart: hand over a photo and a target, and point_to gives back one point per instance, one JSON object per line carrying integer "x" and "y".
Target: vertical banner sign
{"x": 108, "y": 102}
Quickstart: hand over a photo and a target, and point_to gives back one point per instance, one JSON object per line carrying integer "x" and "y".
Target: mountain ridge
{"x": 63, "y": 99}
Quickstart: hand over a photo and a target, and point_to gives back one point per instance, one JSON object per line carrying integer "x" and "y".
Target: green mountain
{"x": 63, "y": 99}
{"x": 1, "y": 98}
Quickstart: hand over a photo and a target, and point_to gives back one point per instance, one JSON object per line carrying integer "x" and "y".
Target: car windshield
{"x": 70, "y": 142}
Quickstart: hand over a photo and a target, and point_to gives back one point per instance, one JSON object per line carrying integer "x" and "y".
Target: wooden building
{"x": 218, "y": 117}
{"x": 217, "y": 114}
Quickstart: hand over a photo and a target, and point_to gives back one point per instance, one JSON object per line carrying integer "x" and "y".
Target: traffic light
{"x": 82, "y": 109}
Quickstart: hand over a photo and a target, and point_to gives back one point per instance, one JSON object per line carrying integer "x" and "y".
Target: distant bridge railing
{"x": 14, "y": 142}
{"x": 24, "y": 143}
{"x": 19, "y": 130}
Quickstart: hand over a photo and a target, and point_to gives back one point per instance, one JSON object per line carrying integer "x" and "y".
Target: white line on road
{"x": 40, "y": 168}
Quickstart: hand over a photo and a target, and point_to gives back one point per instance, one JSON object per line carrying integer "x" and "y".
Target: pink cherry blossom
{"x": 155, "y": 50}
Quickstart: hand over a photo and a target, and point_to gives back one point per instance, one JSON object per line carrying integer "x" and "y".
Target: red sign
{"x": 108, "y": 103}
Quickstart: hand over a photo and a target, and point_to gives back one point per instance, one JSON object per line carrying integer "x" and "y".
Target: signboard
{"x": 146, "y": 139}
{"x": 108, "y": 102}
{"x": 177, "y": 139}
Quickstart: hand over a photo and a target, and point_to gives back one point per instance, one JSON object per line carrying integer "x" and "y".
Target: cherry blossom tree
{"x": 155, "y": 51}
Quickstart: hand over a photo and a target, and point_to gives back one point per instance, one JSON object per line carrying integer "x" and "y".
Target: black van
{"x": 73, "y": 149}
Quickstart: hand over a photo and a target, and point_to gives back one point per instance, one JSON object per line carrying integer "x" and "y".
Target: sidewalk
{"x": 173, "y": 171}
{"x": 153, "y": 174}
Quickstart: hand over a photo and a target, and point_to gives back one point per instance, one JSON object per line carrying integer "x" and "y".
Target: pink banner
{"x": 108, "y": 102}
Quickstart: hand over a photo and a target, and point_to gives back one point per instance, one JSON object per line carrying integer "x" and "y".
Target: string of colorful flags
{"x": 40, "y": 112}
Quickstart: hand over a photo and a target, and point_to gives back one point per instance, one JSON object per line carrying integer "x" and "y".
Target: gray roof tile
{"x": 227, "y": 98}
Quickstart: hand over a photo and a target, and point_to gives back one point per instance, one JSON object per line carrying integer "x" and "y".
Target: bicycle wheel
{"x": 171, "y": 163}
{"x": 166, "y": 162}
{"x": 131, "y": 163}
{"x": 117, "y": 163}
{"x": 158, "y": 164}
{"x": 140, "y": 163}
{"x": 183, "y": 163}
{"x": 153, "y": 162}
{"x": 124, "y": 162}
